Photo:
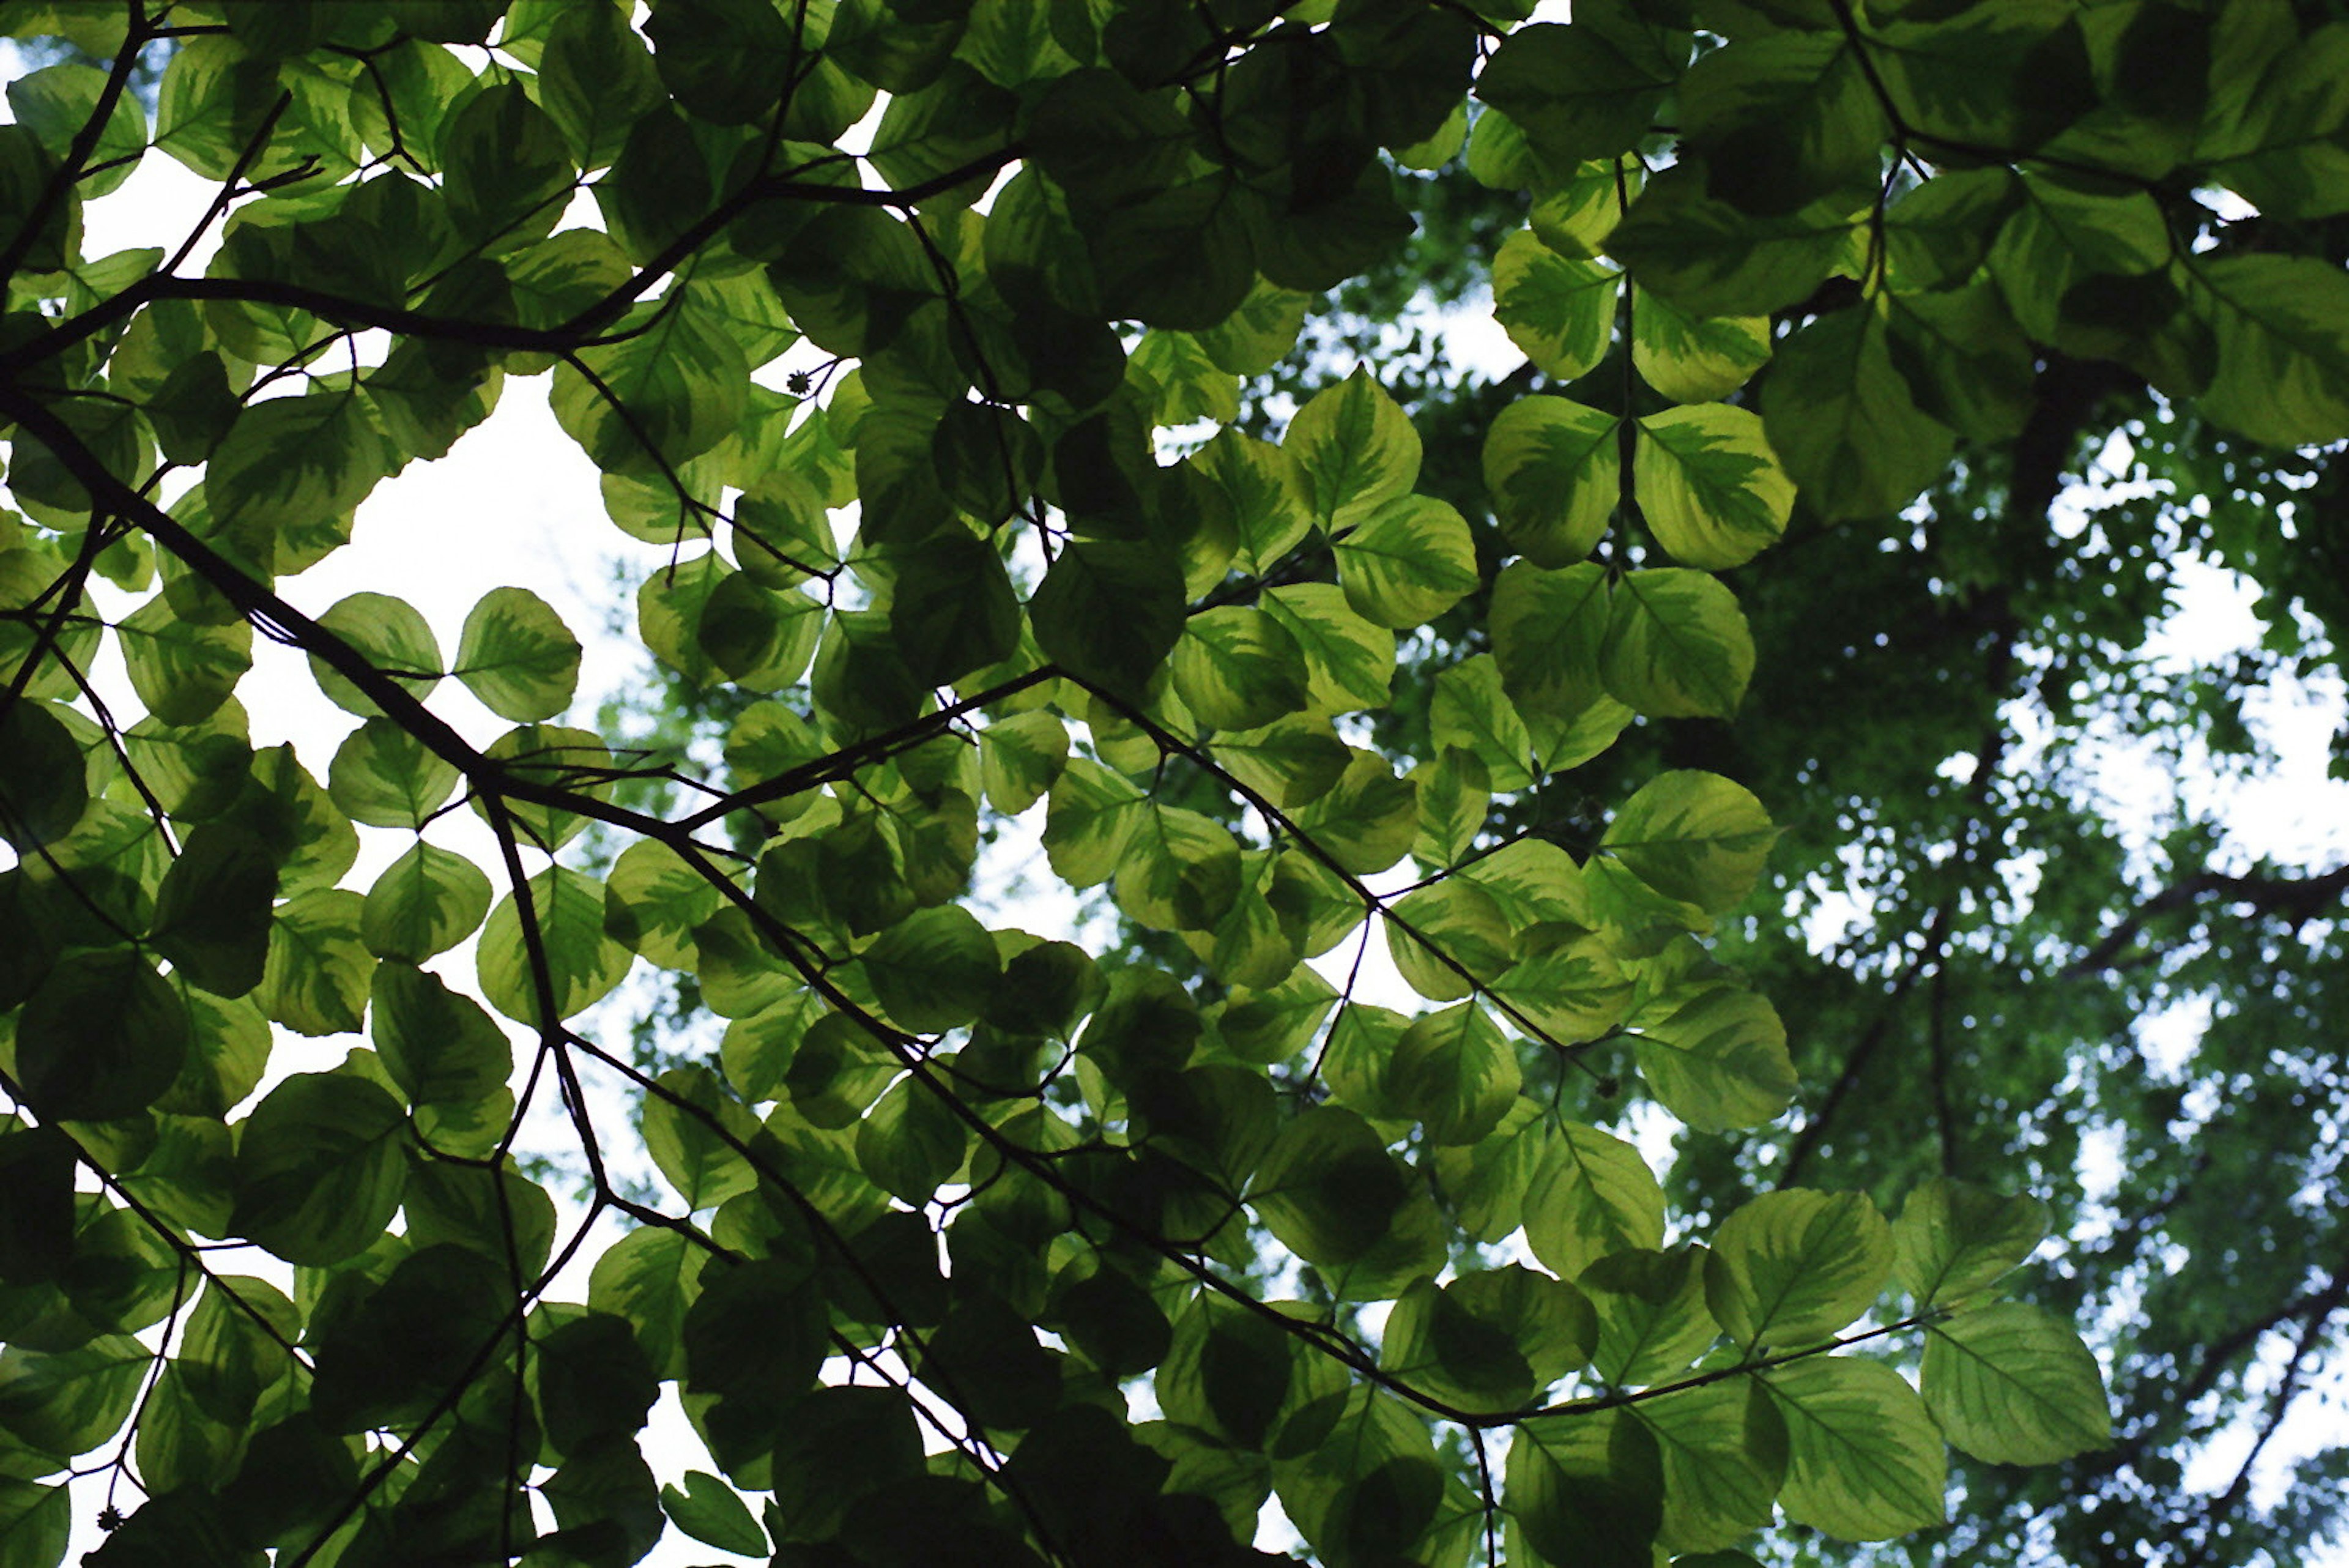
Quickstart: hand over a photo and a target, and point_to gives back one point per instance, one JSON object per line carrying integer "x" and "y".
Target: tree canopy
{"x": 1014, "y": 388}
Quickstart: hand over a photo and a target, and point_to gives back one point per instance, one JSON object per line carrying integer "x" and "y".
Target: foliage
{"x": 1282, "y": 1239}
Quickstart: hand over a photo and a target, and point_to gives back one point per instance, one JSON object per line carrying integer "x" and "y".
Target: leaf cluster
{"x": 950, "y": 1199}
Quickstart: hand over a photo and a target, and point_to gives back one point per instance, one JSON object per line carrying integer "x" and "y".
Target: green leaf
{"x": 212, "y": 911}
{"x": 1710, "y": 258}
{"x": 384, "y": 777}
{"x": 1560, "y": 312}
{"x": 1844, "y": 421}
{"x": 1693, "y": 836}
{"x": 57, "y": 101}
{"x": 781, "y": 534}
{"x": 1573, "y": 90}
{"x": 560, "y": 952}
{"x": 517, "y": 656}
{"x": 1329, "y": 1190}
{"x": 35, "y": 1522}
{"x": 1552, "y": 468}
{"x": 990, "y": 1351}
{"x": 291, "y": 461}
{"x": 1349, "y": 661}
{"x": 674, "y": 387}
{"x": 379, "y": 1363}
{"x": 594, "y": 1378}
{"x": 695, "y": 1131}
{"x": 910, "y": 1143}
{"x": 1181, "y": 256}
{"x": 1535, "y": 882}
{"x": 494, "y": 1210}
{"x": 711, "y": 1512}
{"x": 1021, "y": 757}
{"x": 1367, "y": 820}
{"x": 317, "y": 978}
{"x": 952, "y": 609}
{"x": 1454, "y": 799}
{"x": 1584, "y": 1489}
{"x": 1783, "y": 118}
{"x": 1865, "y": 1461}
{"x": 1357, "y": 447}
{"x": 1966, "y": 362}
{"x": 1452, "y": 920}
{"x": 1230, "y": 1373}
{"x": 66, "y": 1404}
{"x": 1271, "y": 496}
{"x": 1954, "y": 1242}
{"x": 437, "y": 1045}
{"x": 1109, "y": 610}
{"x": 1652, "y": 1319}
{"x": 654, "y": 900}
{"x": 1593, "y": 1197}
{"x": 319, "y": 1168}
{"x": 1371, "y": 1489}
{"x": 184, "y": 668}
{"x": 1259, "y": 334}
{"x": 1236, "y": 668}
{"x": 1474, "y": 718}
{"x": 709, "y": 623}
{"x": 507, "y": 172}
{"x": 1274, "y": 1023}
{"x": 1677, "y": 645}
{"x": 1180, "y": 870}
{"x": 1723, "y": 1447}
{"x": 594, "y": 79}
{"x": 44, "y": 785}
{"x": 1719, "y": 1062}
{"x": 1709, "y": 486}
{"x": 1694, "y": 359}
{"x": 37, "y": 1233}
{"x": 1490, "y": 1339}
{"x": 1091, "y": 815}
{"x": 1407, "y": 562}
{"x": 226, "y": 1058}
{"x": 392, "y": 635}
{"x": 1791, "y": 1267}
{"x": 934, "y": 969}
{"x": 1487, "y": 1182}
{"x": 2282, "y": 371}
{"x": 426, "y": 902}
{"x": 212, "y": 100}
{"x": 555, "y": 757}
{"x": 1455, "y": 1073}
{"x": 2012, "y": 1384}
{"x": 102, "y": 1036}
{"x": 649, "y": 1278}
{"x": 1189, "y": 385}
{"x": 1573, "y": 991}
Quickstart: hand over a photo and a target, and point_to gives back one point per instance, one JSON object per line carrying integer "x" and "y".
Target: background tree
{"x": 921, "y": 1136}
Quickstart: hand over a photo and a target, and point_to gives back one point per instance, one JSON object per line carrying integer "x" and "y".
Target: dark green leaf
{"x": 319, "y": 1168}
{"x": 103, "y": 1036}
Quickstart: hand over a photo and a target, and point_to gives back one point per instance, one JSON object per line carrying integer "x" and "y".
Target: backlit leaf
{"x": 1358, "y": 450}
{"x": 1709, "y": 485}
{"x": 319, "y": 1168}
{"x": 2012, "y": 1384}
{"x": 1553, "y": 468}
{"x": 1793, "y": 1267}
{"x": 1865, "y": 1461}
{"x": 1677, "y": 645}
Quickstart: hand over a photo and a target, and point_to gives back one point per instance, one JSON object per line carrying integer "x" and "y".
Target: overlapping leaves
{"x": 966, "y": 582}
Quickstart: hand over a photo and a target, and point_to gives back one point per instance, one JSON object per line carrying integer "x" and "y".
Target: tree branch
{"x": 2295, "y": 900}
